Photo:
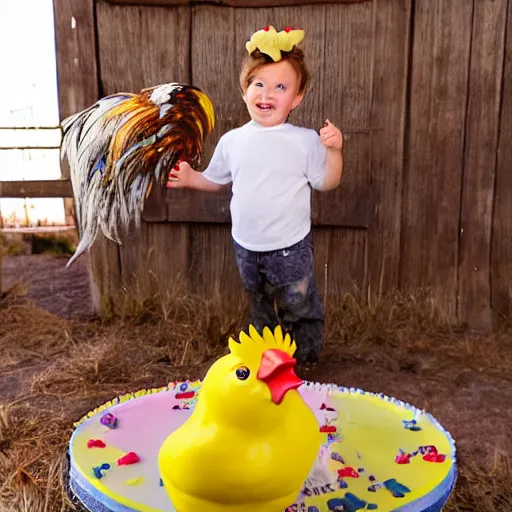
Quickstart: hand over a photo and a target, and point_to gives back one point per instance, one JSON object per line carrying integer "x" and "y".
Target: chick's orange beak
{"x": 276, "y": 370}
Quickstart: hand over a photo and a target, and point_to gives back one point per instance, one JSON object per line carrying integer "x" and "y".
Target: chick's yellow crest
{"x": 253, "y": 345}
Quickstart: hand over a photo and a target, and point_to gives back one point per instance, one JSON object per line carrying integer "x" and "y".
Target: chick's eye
{"x": 243, "y": 373}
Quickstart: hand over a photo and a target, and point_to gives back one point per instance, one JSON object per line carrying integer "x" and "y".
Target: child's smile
{"x": 264, "y": 106}
{"x": 273, "y": 93}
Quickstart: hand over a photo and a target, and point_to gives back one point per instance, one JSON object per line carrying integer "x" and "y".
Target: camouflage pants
{"x": 282, "y": 290}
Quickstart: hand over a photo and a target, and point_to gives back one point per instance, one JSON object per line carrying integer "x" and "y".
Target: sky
{"x": 28, "y": 92}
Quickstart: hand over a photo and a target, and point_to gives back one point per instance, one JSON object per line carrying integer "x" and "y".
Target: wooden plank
{"x": 187, "y": 206}
{"x": 141, "y": 48}
{"x": 501, "y": 250}
{"x": 434, "y": 149}
{"x": 215, "y": 68}
{"x": 77, "y": 72}
{"x": 158, "y": 39}
{"x": 105, "y": 275}
{"x": 347, "y": 100}
{"x": 389, "y": 88}
{"x": 236, "y": 3}
{"x": 153, "y": 257}
{"x": 340, "y": 261}
{"x": 204, "y": 207}
{"x": 77, "y": 78}
{"x": 213, "y": 270}
{"x": 347, "y": 262}
{"x": 75, "y": 45}
{"x": 482, "y": 123}
{"x": 39, "y": 188}
{"x": 339, "y": 207}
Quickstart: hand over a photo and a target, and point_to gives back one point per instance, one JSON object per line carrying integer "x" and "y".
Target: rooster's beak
{"x": 276, "y": 370}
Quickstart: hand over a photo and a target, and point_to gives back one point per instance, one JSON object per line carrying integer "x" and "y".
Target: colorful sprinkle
{"x": 99, "y": 469}
{"x": 129, "y": 458}
{"x": 95, "y": 443}
{"x": 434, "y": 457}
{"x": 411, "y": 425}
{"x": 395, "y": 488}
{"x": 134, "y": 481}
{"x": 184, "y": 396}
{"x": 403, "y": 458}
{"x": 328, "y": 428}
{"x": 349, "y": 502}
{"x": 348, "y": 472}
{"x": 109, "y": 420}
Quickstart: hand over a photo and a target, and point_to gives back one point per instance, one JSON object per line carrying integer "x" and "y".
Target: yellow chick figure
{"x": 251, "y": 440}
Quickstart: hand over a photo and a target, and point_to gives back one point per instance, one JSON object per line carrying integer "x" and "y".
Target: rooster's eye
{"x": 243, "y": 373}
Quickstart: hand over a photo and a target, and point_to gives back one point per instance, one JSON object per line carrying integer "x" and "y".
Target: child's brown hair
{"x": 257, "y": 59}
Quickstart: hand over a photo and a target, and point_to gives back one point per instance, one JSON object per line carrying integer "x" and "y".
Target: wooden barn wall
{"x": 501, "y": 231}
{"x": 453, "y": 119}
{"x": 423, "y": 93}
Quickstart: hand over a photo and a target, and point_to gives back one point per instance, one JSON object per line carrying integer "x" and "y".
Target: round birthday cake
{"x": 377, "y": 453}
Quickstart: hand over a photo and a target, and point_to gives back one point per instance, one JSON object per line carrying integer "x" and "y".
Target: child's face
{"x": 273, "y": 93}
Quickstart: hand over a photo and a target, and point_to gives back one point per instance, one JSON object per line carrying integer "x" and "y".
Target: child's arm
{"x": 183, "y": 176}
{"x": 332, "y": 139}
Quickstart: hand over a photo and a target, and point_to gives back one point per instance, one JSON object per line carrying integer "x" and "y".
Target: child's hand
{"x": 180, "y": 175}
{"x": 330, "y": 136}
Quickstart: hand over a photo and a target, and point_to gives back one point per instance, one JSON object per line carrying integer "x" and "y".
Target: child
{"x": 273, "y": 165}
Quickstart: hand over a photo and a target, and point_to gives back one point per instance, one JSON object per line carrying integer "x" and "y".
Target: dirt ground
{"x": 59, "y": 362}
{"x": 60, "y": 290}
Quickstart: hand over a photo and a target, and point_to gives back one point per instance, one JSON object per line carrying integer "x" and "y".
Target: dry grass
{"x": 54, "y": 371}
{"x": 483, "y": 488}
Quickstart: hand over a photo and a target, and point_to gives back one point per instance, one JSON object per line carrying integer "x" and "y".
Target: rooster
{"x": 121, "y": 146}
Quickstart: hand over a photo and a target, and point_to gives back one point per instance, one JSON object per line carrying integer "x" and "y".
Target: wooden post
{"x": 481, "y": 143}
{"x": 77, "y": 70}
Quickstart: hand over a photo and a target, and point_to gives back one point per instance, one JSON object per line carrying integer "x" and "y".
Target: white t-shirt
{"x": 272, "y": 170}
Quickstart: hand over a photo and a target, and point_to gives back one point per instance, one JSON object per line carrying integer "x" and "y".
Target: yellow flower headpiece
{"x": 272, "y": 43}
